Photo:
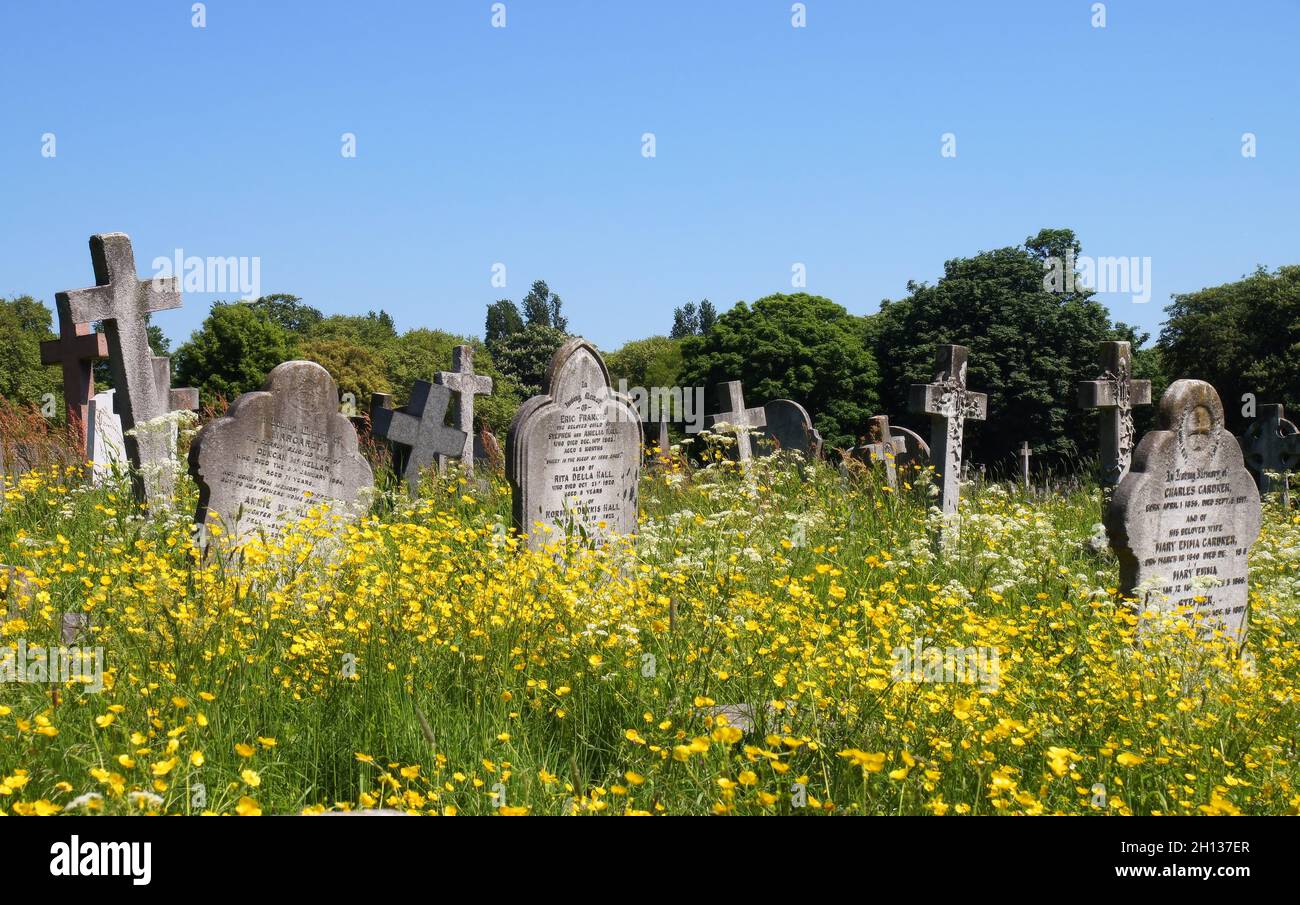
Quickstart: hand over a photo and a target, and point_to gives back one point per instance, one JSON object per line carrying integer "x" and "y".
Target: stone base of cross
{"x": 949, "y": 405}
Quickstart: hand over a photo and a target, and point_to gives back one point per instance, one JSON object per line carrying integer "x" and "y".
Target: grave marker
{"x": 123, "y": 303}
{"x": 949, "y": 404}
{"x": 573, "y": 454}
{"x": 76, "y": 351}
{"x": 462, "y": 381}
{"x": 884, "y": 447}
{"x": 1024, "y": 454}
{"x": 278, "y": 452}
{"x": 1271, "y": 444}
{"x": 420, "y": 427}
{"x": 105, "y": 445}
{"x": 1115, "y": 393}
{"x": 789, "y": 424}
{"x": 1184, "y": 517}
{"x": 729, "y": 399}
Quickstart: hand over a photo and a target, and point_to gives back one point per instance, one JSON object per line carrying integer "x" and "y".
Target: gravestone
{"x": 75, "y": 351}
{"x": 278, "y": 452}
{"x": 732, "y": 416}
{"x": 1114, "y": 394}
{"x": 949, "y": 405}
{"x": 1183, "y": 519}
{"x": 789, "y": 427}
{"x": 105, "y": 445}
{"x": 462, "y": 381}
{"x": 123, "y": 304}
{"x": 421, "y": 429}
{"x": 1024, "y": 454}
{"x": 883, "y": 447}
{"x": 573, "y": 454}
{"x": 917, "y": 453}
{"x": 1271, "y": 445}
{"x": 487, "y": 448}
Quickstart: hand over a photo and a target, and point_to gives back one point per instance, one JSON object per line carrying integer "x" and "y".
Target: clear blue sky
{"x": 522, "y": 145}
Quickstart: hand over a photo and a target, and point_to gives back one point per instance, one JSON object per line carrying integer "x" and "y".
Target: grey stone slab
{"x": 1184, "y": 517}
{"x": 789, "y": 427}
{"x": 420, "y": 428}
{"x": 573, "y": 454}
{"x": 465, "y": 384}
{"x": 278, "y": 452}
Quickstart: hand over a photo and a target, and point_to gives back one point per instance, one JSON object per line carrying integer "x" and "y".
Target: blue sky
{"x": 523, "y": 146}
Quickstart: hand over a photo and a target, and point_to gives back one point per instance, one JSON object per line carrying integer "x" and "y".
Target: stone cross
{"x": 1115, "y": 393}
{"x": 420, "y": 426}
{"x": 663, "y": 435}
{"x": 949, "y": 404}
{"x": 76, "y": 350}
{"x": 1024, "y": 454}
{"x": 1272, "y": 444}
{"x": 123, "y": 304}
{"x": 462, "y": 381}
{"x": 730, "y": 401}
{"x": 884, "y": 447}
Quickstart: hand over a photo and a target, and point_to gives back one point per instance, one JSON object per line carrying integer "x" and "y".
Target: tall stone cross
{"x": 884, "y": 447}
{"x": 1115, "y": 393}
{"x": 949, "y": 404}
{"x": 420, "y": 426}
{"x": 123, "y": 304}
{"x": 462, "y": 381}
{"x": 730, "y": 401}
{"x": 1271, "y": 445}
{"x": 1024, "y": 454}
{"x": 76, "y": 350}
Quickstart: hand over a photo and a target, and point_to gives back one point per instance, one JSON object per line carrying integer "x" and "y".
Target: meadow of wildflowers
{"x": 740, "y": 655}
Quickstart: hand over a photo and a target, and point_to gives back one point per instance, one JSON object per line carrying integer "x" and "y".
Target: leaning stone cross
{"x": 949, "y": 404}
{"x": 420, "y": 426}
{"x": 76, "y": 350}
{"x": 1115, "y": 393}
{"x": 730, "y": 400}
{"x": 123, "y": 304}
{"x": 1272, "y": 446}
{"x": 884, "y": 448}
{"x": 462, "y": 381}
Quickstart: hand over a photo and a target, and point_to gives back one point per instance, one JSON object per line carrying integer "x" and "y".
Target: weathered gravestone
{"x": 1024, "y": 454}
{"x": 420, "y": 428}
{"x": 123, "y": 304}
{"x": 76, "y": 351}
{"x": 1114, "y": 394}
{"x": 277, "y": 453}
{"x": 949, "y": 404}
{"x": 1184, "y": 517}
{"x": 1271, "y": 446}
{"x": 105, "y": 445}
{"x": 883, "y": 447}
{"x": 788, "y": 427}
{"x": 731, "y": 415}
{"x": 573, "y": 454}
{"x": 462, "y": 381}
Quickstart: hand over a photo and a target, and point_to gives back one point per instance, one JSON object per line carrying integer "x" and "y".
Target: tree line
{"x": 1030, "y": 346}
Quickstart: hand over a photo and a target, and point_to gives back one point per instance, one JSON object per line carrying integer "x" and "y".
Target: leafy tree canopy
{"x": 358, "y": 370}
{"x": 24, "y": 323}
{"x": 801, "y": 347}
{"x": 232, "y": 352}
{"x": 525, "y": 356}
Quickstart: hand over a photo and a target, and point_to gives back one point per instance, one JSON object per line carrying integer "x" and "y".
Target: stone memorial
{"x": 1114, "y": 394}
{"x": 1024, "y": 454}
{"x": 75, "y": 351}
{"x": 420, "y": 428}
{"x": 278, "y": 452}
{"x": 949, "y": 405}
{"x": 917, "y": 453}
{"x": 731, "y": 415}
{"x": 883, "y": 447}
{"x": 788, "y": 427}
{"x": 573, "y": 454}
{"x": 462, "y": 381}
{"x": 1184, "y": 517}
{"x": 1271, "y": 446}
{"x": 105, "y": 445}
{"x": 123, "y": 303}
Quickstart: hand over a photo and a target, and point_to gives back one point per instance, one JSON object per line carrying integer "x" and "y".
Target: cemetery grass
{"x": 422, "y": 660}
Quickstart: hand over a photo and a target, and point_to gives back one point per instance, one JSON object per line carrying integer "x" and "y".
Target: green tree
{"x": 232, "y": 352}
{"x": 1029, "y": 348}
{"x": 652, "y": 362}
{"x": 542, "y": 307}
{"x": 801, "y": 347}
{"x": 289, "y": 312}
{"x": 503, "y": 319}
{"x": 686, "y": 321}
{"x": 708, "y": 316}
{"x": 24, "y": 323}
{"x": 1242, "y": 337}
{"x": 374, "y": 329}
{"x": 525, "y": 356}
{"x": 356, "y": 369}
